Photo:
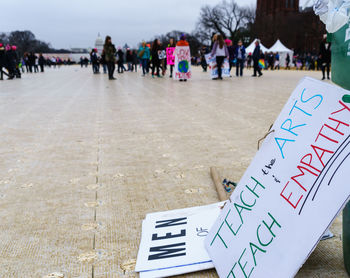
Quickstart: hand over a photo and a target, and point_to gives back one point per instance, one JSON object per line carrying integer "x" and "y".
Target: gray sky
{"x": 75, "y": 23}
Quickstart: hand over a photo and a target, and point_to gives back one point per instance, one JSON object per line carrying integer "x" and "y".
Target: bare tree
{"x": 226, "y": 18}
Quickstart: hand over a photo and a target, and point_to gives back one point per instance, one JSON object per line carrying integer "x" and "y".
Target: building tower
{"x": 99, "y": 44}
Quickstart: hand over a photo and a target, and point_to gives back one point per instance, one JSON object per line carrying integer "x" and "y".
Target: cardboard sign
{"x": 172, "y": 242}
{"x": 170, "y": 58}
{"x": 182, "y": 69}
{"x": 211, "y": 61}
{"x": 292, "y": 191}
{"x": 161, "y": 54}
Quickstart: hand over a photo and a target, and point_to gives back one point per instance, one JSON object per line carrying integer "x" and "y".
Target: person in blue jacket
{"x": 144, "y": 54}
{"x": 240, "y": 57}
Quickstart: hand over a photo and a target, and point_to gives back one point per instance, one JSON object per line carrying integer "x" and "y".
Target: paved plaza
{"x": 83, "y": 159}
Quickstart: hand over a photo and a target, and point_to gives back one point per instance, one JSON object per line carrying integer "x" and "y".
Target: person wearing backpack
{"x": 144, "y": 55}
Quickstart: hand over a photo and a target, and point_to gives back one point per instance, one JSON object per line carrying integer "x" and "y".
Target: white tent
{"x": 251, "y": 47}
{"x": 279, "y": 48}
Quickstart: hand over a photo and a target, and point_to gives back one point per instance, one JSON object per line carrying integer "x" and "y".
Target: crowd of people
{"x": 152, "y": 58}
{"x": 13, "y": 66}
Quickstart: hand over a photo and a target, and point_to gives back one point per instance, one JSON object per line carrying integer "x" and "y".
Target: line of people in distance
{"x": 13, "y": 66}
{"x": 131, "y": 59}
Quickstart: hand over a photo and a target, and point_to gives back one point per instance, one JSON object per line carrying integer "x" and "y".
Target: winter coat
{"x": 231, "y": 52}
{"x": 325, "y": 52}
{"x": 2, "y": 57}
{"x": 154, "y": 52}
{"x": 256, "y": 53}
{"x": 216, "y": 45}
{"x": 242, "y": 50}
{"x": 31, "y": 59}
{"x": 146, "y": 53}
{"x": 41, "y": 60}
{"x": 109, "y": 50}
{"x": 120, "y": 56}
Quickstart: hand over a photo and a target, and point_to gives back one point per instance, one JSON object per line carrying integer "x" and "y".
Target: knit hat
{"x": 183, "y": 37}
{"x": 8, "y": 47}
{"x": 227, "y": 41}
{"x": 13, "y": 47}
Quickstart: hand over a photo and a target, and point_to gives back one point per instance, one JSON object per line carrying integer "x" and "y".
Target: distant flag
{"x": 262, "y": 63}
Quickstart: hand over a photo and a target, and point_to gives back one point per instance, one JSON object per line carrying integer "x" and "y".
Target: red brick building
{"x": 297, "y": 29}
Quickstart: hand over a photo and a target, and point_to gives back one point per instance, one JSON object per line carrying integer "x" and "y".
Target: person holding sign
{"x": 182, "y": 55}
{"x": 221, "y": 52}
{"x": 170, "y": 57}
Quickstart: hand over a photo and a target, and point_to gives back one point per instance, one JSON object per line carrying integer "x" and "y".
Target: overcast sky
{"x": 75, "y": 23}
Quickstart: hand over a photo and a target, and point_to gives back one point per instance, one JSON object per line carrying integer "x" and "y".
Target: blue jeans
{"x": 239, "y": 67}
{"x": 144, "y": 63}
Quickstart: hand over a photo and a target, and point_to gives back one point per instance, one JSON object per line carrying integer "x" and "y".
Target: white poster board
{"x": 292, "y": 191}
{"x": 211, "y": 61}
{"x": 172, "y": 242}
{"x": 182, "y": 69}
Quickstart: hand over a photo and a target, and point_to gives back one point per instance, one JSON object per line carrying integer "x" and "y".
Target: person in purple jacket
{"x": 221, "y": 52}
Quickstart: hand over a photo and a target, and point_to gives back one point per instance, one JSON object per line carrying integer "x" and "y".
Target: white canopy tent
{"x": 251, "y": 47}
{"x": 279, "y": 48}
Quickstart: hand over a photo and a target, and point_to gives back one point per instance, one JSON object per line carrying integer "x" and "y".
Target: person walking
{"x": 155, "y": 57}
{"x": 135, "y": 60}
{"x": 41, "y": 62}
{"x": 221, "y": 52}
{"x": 129, "y": 59}
{"x": 231, "y": 51}
{"x": 94, "y": 61}
{"x": 36, "y": 64}
{"x": 256, "y": 56}
{"x": 109, "y": 50}
{"x": 31, "y": 61}
{"x": 240, "y": 58}
{"x": 144, "y": 54}
{"x": 288, "y": 61}
{"x": 325, "y": 57}
{"x": 103, "y": 62}
{"x": 120, "y": 61}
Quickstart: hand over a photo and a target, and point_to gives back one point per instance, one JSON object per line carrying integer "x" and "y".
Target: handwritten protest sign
{"x": 170, "y": 56}
{"x": 211, "y": 61}
{"x": 182, "y": 67}
{"x": 295, "y": 186}
{"x": 172, "y": 242}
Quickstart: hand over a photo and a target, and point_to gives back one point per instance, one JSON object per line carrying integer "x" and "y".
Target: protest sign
{"x": 161, "y": 54}
{"x": 182, "y": 69}
{"x": 172, "y": 242}
{"x": 170, "y": 56}
{"x": 211, "y": 61}
{"x": 292, "y": 191}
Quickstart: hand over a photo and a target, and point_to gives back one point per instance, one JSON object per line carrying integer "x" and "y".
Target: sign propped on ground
{"x": 172, "y": 242}
{"x": 296, "y": 185}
